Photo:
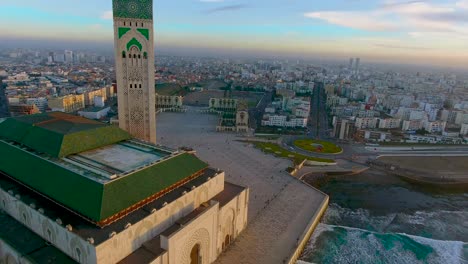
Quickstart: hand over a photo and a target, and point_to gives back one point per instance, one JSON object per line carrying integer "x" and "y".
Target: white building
{"x": 389, "y": 123}
{"x": 412, "y": 125}
{"x": 94, "y": 112}
{"x": 464, "y": 130}
{"x": 435, "y": 127}
{"x": 366, "y": 122}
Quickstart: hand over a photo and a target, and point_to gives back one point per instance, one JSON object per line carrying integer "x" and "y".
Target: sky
{"x": 426, "y": 32}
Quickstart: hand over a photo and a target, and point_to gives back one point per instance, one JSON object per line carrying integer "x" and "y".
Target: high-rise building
{"x": 358, "y": 62}
{"x": 351, "y": 63}
{"x": 134, "y": 56}
{"x": 68, "y": 56}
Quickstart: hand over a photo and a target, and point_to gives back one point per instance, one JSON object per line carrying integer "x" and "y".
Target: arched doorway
{"x": 195, "y": 257}
{"x": 226, "y": 242}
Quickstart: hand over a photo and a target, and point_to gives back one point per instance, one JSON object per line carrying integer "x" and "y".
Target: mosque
{"x": 74, "y": 190}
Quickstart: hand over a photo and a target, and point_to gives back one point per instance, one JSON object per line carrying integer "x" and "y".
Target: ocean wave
{"x": 433, "y": 224}
{"x": 342, "y": 244}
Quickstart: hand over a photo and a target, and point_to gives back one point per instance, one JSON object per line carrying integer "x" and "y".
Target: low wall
{"x": 316, "y": 163}
{"x": 305, "y": 237}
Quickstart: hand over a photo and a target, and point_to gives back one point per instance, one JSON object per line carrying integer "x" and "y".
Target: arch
{"x": 202, "y": 238}
{"x": 176, "y": 209}
{"x": 134, "y": 42}
{"x": 202, "y": 195}
{"x": 49, "y": 231}
{"x": 143, "y": 228}
{"x": 24, "y": 214}
{"x": 124, "y": 54}
{"x": 78, "y": 250}
{"x": 10, "y": 259}
{"x": 195, "y": 255}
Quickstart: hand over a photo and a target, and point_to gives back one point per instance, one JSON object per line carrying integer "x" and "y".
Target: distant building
{"x": 23, "y": 109}
{"x": 40, "y": 102}
{"x": 101, "y": 92}
{"x": 366, "y": 122}
{"x": 237, "y": 121}
{"x": 435, "y": 127}
{"x": 223, "y": 104}
{"x": 344, "y": 129}
{"x": 167, "y": 101}
{"x": 412, "y": 125}
{"x": 67, "y": 104}
{"x": 464, "y": 130}
{"x": 242, "y": 119}
{"x": 389, "y": 123}
{"x": 94, "y": 112}
{"x": 373, "y": 136}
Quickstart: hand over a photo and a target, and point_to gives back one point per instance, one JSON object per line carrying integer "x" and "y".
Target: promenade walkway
{"x": 280, "y": 206}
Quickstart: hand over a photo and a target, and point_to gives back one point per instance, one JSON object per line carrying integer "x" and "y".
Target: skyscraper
{"x": 358, "y": 61}
{"x": 134, "y": 53}
{"x": 351, "y": 62}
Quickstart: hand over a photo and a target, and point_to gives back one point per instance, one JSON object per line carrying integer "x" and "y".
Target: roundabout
{"x": 318, "y": 146}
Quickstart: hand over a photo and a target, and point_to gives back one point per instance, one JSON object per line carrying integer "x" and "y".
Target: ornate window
{"x": 124, "y": 54}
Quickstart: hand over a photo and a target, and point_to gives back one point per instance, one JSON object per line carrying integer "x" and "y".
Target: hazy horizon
{"x": 387, "y": 31}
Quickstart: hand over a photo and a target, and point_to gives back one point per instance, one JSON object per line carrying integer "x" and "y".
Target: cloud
{"x": 226, "y": 8}
{"x": 410, "y": 16}
{"x": 404, "y": 47}
{"x": 107, "y": 15}
{"x": 462, "y": 4}
{"x": 356, "y": 20}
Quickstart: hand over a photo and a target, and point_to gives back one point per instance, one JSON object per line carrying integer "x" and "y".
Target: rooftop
{"x": 84, "y": 228}
{"x": 118, "y": 174}
{"x": 65, "y": 133}
{"x": 28, "y": 244}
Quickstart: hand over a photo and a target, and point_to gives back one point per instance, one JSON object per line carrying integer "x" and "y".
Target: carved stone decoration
{"x": 134, "y": 49}
{"x": 202, "y": 238}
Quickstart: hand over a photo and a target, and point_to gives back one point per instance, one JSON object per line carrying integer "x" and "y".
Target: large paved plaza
{"x": 280, "y": 206}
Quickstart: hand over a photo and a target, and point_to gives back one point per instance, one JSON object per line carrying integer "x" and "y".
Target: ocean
{"x": 379, "y": 218}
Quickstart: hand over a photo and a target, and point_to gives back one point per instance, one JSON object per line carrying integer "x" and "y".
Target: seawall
{"x": 314, "y": 221}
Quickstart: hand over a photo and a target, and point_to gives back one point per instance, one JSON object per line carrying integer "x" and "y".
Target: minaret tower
{"x": 134, "y": 58}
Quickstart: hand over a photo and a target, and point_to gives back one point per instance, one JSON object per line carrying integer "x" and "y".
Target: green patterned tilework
{"x": 123, "y": 31}
{"x": 134, "y": 42}
{"x": 139, "y": 9}
{"x": 144, "y": 32}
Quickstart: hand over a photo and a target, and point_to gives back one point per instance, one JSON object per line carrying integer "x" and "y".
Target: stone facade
{"x": 219, "y": 223}
{"x": 134, "y": 56}
{"x": 167, "y": 101}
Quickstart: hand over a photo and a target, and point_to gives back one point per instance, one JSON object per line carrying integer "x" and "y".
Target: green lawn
{"x": 278, "y": 151}
{"x": 318, "y": 146}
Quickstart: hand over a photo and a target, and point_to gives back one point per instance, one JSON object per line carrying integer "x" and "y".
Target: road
{"x": 318, "y": 122}
{"x": 256, "y": 114}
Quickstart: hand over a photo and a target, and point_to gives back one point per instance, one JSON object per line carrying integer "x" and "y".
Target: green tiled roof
{"x": 139, "y": 9}
{"x": 92, "y": 199}
{"x": 59, "y": 134}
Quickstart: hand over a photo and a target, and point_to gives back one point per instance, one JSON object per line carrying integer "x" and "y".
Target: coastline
{"x": 451, "y": 172}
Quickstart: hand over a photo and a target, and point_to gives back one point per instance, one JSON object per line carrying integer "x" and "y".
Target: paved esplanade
{"x": 280, "y": 206}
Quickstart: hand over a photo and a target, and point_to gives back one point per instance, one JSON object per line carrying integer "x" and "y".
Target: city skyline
{"x": 423, "y": 32}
